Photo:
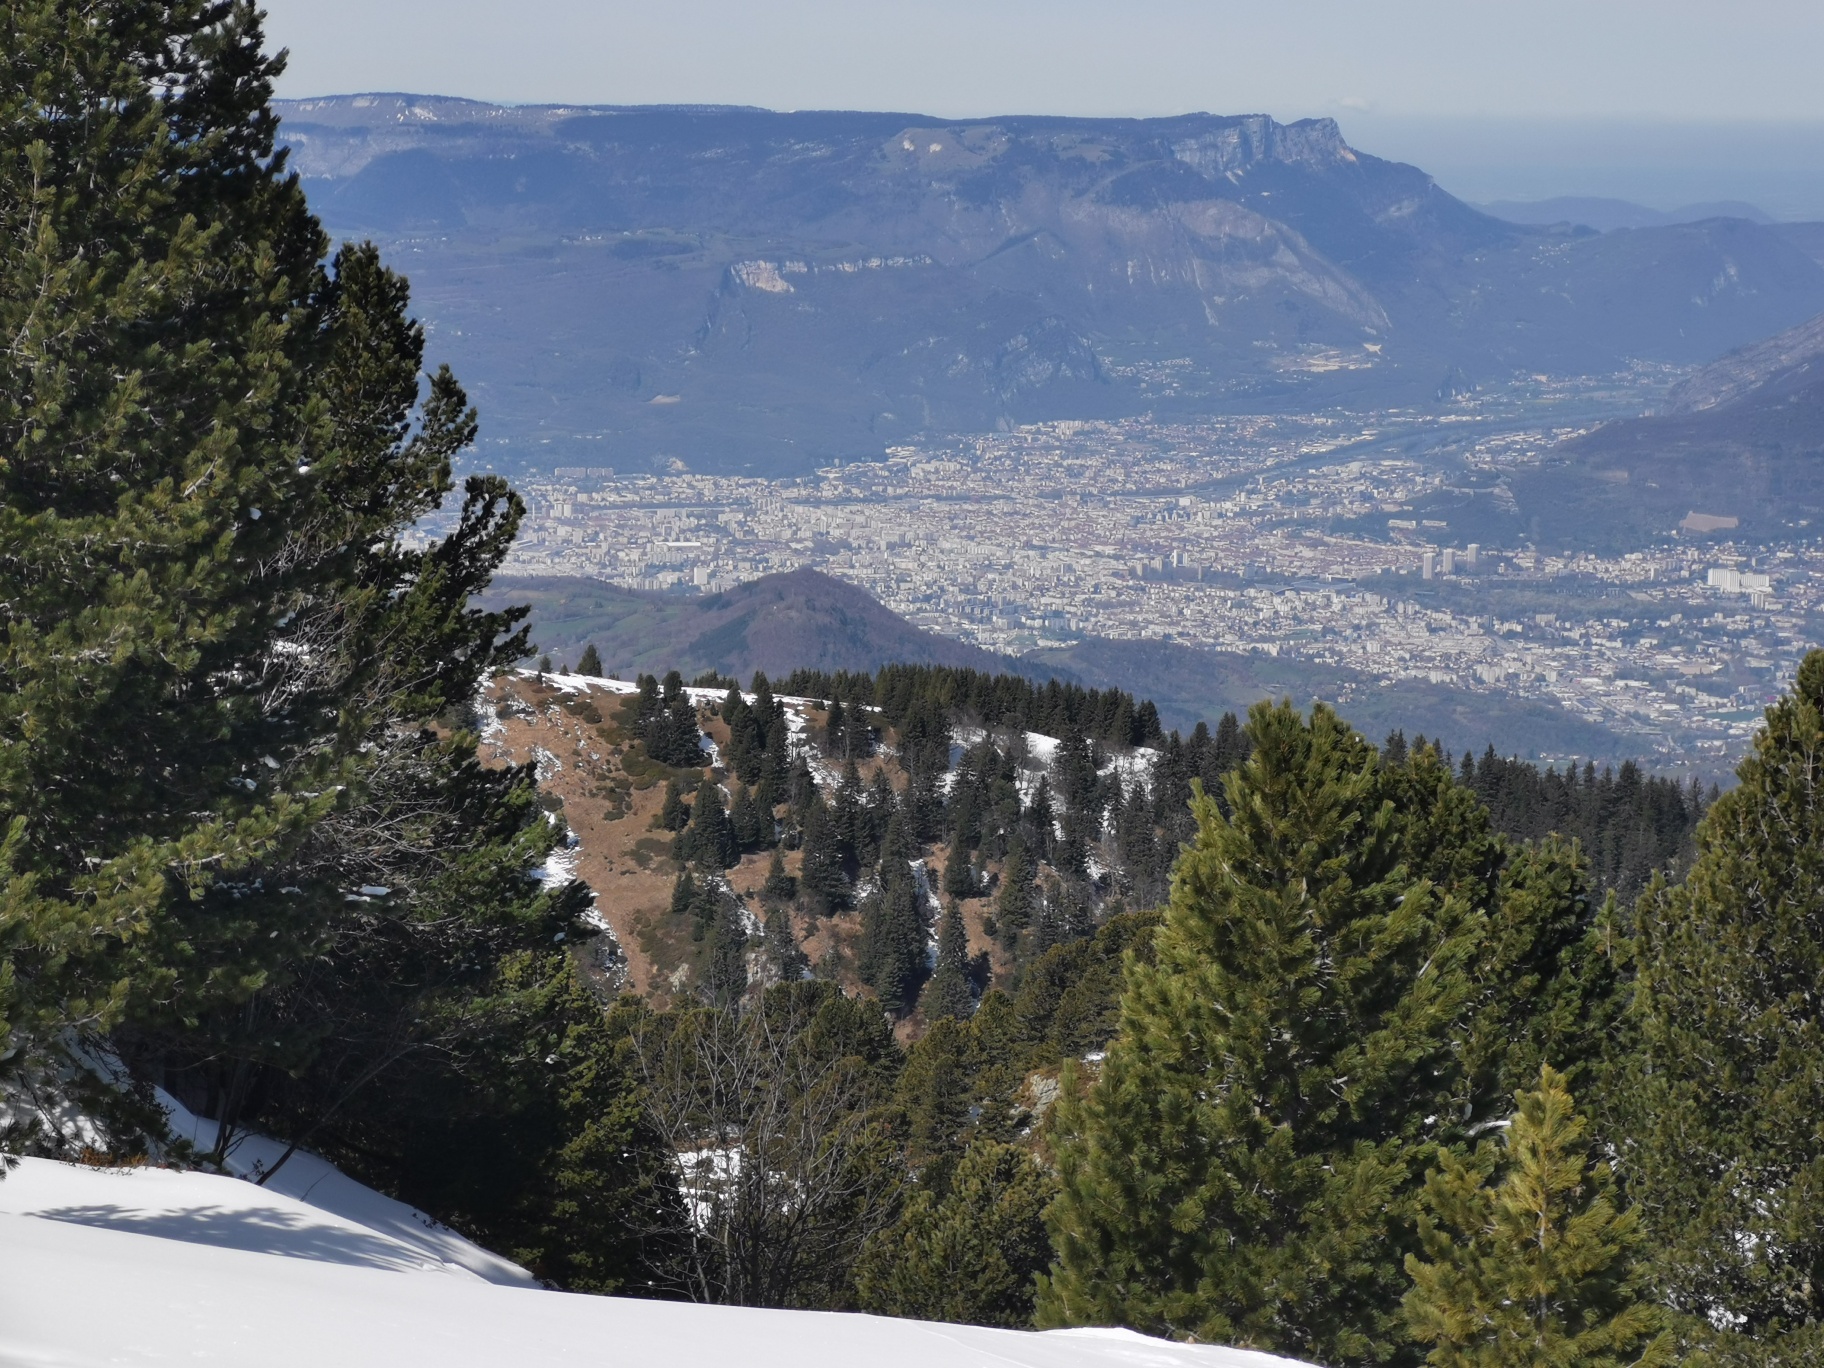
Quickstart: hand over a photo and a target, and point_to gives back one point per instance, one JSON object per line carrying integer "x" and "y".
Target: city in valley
{"x": 1342, "y": 539}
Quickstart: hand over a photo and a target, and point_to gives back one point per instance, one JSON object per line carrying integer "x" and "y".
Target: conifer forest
{"x": 1268, "y": 1034}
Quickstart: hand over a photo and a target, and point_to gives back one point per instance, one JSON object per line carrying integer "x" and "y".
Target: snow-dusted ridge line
{"x": 153, "y": 1266}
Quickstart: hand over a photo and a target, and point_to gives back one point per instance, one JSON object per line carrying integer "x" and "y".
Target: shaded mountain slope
{"x": 1741, "y": 444}
{"x": 809, "y": 620}
{"x": 744, "y": 290}
{"x": 779, "y": 623}
{"x": 1189, "y": 684}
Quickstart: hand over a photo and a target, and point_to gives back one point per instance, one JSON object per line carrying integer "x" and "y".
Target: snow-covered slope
{"x": 101, "y": 1267}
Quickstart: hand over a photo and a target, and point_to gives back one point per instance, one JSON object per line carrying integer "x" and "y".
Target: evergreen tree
{"x": 820, "y": 871}
{"x": 1242, "y": 1170}
{"x": 949, "y": 994}
{"x": 959, "y": 876}
{"x": 709, "y": 840}
{"x": 893, "y": 937}
{"x": 780, "y": 886}
{"x": 223, "y": 661}
{"x": 782, "y": 949}
{"x": 1535, "y": 1265}
{"x": 1722, "y": 1149}
{"x": 968, "y": 1256}
{"x": 674, "y": 812}
{"x": 1013, "y": 903}
{"x": 591, "y": 662}
{"x": 725, "y": 957}
{"x": 683, "y": 893}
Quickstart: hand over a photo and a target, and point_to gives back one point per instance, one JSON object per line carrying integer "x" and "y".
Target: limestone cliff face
{"x": 808, "y": 285}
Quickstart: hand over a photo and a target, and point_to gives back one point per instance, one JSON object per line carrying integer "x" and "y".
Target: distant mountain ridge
{"x": 806, "y": 619}
{"x": 1606, "y": 215}
{"x": 743, "y": 290}
{"x": 1740, "y": 444}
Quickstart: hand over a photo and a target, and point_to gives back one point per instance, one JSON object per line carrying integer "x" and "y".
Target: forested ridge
{"x": 1266, "y": 1035}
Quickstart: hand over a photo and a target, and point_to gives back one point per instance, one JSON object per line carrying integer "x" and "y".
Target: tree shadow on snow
{"x": 256, "y": 1232}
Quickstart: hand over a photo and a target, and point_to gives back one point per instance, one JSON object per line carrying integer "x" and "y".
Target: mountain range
{"x": 1737, "y": 451}
{"x": 806, "y": 619}
{"x": 731, "y": 289}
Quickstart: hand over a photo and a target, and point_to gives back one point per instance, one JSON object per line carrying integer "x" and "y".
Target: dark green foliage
{"x": 949, "y": 992}
{"x": 724, "y": 980}
{"x": 780, "y": 886}
{"x": 1013, "y": 901}
{"x": 1003, "y": 701}
{"x": 674, "y": 812}
{"x": 1526, "y": 1258}
{"x": 709, "y": 839}
{"x": 752, "y": 824}
{"x": 591, "y": 661}
{"x": 783, "y": 953}
{"x": 1722, "y": 1151}
{"x": 667, "y": 722}
{"x": 971, "y": 1254}
{"x": 893, "y": 936}
{"x": 1242, "y": 1169}
{"x": 536, "y": 1143}
{"x": 959, "y": 875}
{"x": 1631, "y": 826}
{"x": 821, "y": 873}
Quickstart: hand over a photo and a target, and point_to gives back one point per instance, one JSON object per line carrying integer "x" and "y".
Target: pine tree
{"x": 591, "y": 662}
{"x": 224, "y": 658}
{"x": 1526, "y": 1259}
{"x": 968, "y": 1256}
{"x": 1721, "y": 1143}
{"x": 948, "y": 994}
{"x": 1243, "y": 1168}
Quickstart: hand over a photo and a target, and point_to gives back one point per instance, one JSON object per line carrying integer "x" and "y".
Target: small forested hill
{"x": 798, "y": 620}
{"x": 806, "y": 620}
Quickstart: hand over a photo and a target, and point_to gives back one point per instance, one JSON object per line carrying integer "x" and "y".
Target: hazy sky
{"x": 1498, "y": 98}
{"x": 1668, "y": 58}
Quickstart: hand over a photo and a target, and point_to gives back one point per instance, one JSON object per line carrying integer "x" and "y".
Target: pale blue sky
{"x": 1404, "y": 73}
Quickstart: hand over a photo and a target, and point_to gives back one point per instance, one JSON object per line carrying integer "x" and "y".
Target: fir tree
{"x": 780, "y": 886}
{"x": 1721, "y": 1143}
{"x": 959, "y": 876}
{"x": 591, "y": 662}
{"x": 674, "y": 812}
{"x": 709, "y": 840}
{"x": 948, "y": 994}
{"x": 783, "y": 952}
{"x": 1013, "y": 902}
{"x": 1242, "y": 1169}
{"x": 970, "y": 1255}
{"x": 893, "y": 937}
{"x": 820, "y": 871}
{"x": 725, "y": 958}
{"x": 1526, "y": 1259}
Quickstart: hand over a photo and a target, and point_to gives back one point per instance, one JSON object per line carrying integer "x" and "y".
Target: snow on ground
{"x": 102, "y": 1267}
{"x": 329, "y": 1194}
